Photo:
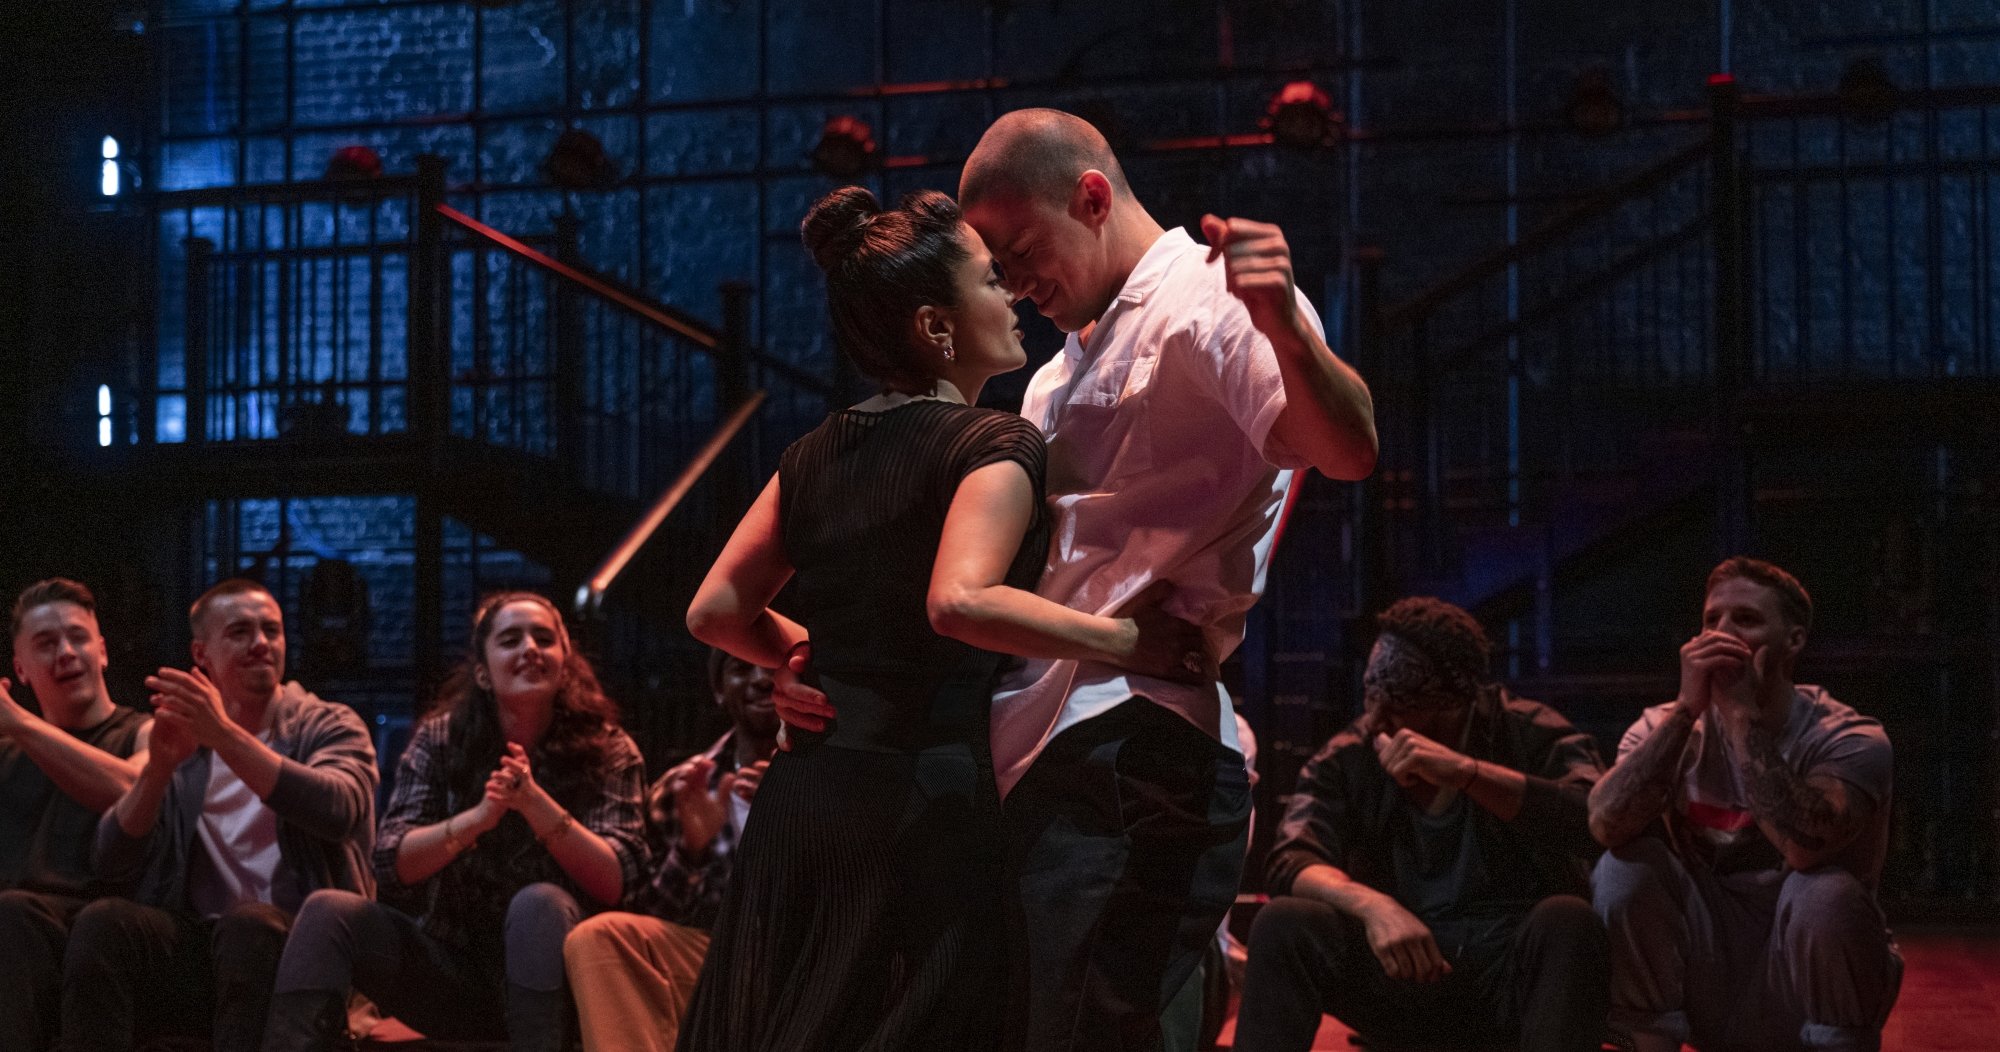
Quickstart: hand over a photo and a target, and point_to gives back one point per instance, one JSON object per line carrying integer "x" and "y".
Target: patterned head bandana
{"x": 1404, "y": 677}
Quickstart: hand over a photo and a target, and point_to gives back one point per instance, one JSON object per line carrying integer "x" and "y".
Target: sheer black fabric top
{"x": 862, "y": 503}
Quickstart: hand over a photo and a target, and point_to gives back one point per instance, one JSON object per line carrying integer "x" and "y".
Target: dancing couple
{"x": 1023, "y": 608}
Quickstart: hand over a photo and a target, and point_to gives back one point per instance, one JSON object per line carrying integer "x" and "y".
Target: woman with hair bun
{"x": 865, "y": 908}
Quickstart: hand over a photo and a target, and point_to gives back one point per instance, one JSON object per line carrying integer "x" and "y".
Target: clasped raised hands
{"x": 188, "y": 713}
{"x": 511, "y": 787}
{"x": 186, "y": 700}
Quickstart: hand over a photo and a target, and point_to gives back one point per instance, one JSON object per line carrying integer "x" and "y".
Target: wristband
{"x": 451, "y": 840}
{"x": 1471, "y": 778}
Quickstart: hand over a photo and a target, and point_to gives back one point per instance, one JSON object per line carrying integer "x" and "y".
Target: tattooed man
{"x": 1747, "y": 821}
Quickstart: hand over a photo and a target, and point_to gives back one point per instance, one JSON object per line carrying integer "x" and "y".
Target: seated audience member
{"x": 1747, "y": 821}
{"x": 633, "y": 971}
{"x": 516, "y": 803}
{"x": 1427, "y": 869}
{"x": 58, "y": 772}
{"x": 254, "y": 795}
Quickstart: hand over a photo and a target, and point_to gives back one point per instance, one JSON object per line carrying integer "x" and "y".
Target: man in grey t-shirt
{"x": 1747, "y": 821}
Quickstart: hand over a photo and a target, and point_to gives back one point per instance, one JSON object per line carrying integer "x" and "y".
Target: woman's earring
{"x": 949, "y": 354}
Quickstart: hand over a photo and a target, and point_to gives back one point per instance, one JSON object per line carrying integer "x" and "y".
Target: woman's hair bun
{"x": 834, "y": 226}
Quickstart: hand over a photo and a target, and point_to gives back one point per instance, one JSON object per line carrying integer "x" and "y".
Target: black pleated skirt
{"x": 864, "y": 911}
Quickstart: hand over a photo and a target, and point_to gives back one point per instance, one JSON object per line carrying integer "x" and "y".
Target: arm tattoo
{"x": 1639, "y": 787}
{"x": 1782, "y": 797}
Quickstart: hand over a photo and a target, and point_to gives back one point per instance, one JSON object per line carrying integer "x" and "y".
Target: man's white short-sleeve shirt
{"x": 1161, "y": 466}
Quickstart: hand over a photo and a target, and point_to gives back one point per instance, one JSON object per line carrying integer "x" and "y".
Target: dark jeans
{"x": 1125, "y": 843}
{"x": 343, "y": 941}
{"x": 1546, "y": 983}
{"x": 134, "y": 971}
{"x": 34, "y": 929}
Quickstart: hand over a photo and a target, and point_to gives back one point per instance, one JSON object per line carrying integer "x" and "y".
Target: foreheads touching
{"x": 1049, "y": 198}
{"x": 1038, "y": 155}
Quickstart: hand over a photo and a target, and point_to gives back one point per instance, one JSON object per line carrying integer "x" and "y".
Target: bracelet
{"x": 1473, "y": 777}
{"x": 451, "y": 840}
{"x": 561, "y": 829}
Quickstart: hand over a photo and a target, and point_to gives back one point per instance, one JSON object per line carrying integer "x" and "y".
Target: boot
{"x": 537, "y": 1020}
{"x": 306, "y": 1021}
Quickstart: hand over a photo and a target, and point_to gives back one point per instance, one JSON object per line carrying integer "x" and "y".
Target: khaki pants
{"x": 632, "y": 976}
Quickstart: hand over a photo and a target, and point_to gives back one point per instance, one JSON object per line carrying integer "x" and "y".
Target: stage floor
{"x": 1950, "y": 1000}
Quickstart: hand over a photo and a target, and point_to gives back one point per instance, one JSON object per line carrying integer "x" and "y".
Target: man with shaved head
{"x": 1194, "y": 383}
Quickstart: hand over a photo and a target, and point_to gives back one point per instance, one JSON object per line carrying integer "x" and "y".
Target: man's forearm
{"x": 253, "y": 761}
{"x": 1640, "y": 786}
{"x": 1500, "y": 790}
{"x": 1329, "y": 416}
{"x": 1802, "y": 819}
{"x": 139, "y": 809}
{"x": 89, "y": 775}
{"x": 1331, "y": 885}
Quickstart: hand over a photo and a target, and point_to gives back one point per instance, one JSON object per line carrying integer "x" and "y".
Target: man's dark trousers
{"x": 1126, "y": 841}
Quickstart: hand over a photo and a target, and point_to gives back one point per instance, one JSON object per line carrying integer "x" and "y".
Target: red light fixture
{"x": 1301, "y": 115}
{"x": 353, "y": 164}
{"x": 846, "y": 147}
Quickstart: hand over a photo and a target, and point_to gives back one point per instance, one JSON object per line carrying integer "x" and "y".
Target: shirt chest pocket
{"x": 1104, "y": 428}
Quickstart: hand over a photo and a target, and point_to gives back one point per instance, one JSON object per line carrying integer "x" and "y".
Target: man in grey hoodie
{"x": 254, "y": 795}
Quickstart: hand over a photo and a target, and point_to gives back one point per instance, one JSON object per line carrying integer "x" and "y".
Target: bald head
{"x": 1037, "y": 155}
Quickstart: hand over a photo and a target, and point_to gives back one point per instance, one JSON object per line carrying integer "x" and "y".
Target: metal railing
{"x": 1871, "y": 236}
{"x": 284, "y": 312}
{"x": 1790, "y": 241}
{"x": 334, "y": 320}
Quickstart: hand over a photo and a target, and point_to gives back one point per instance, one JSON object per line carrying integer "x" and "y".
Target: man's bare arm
{"x": 1808, "y": 817}
{"x": 1639, "y": 787}
{"x": 1329, "y": 415}
{"x": 84, "y": 772}
{"x": 1403, "y": 943}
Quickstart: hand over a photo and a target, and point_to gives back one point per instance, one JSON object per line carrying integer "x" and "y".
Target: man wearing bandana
{"x": 1428, "y": 877}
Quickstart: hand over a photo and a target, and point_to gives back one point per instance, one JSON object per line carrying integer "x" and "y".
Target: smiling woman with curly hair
{"x": 516, "y": 810}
